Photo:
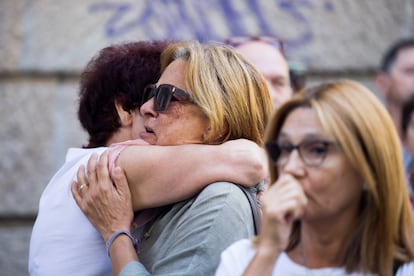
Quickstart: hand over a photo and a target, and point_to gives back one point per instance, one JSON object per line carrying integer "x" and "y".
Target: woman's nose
{"x": 294, "y": 165}
{"x": 147, "y": 108}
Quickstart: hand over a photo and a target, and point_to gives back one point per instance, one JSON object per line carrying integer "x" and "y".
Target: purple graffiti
{"x": 163, "y": 19}
{"x": 113, "y": 26}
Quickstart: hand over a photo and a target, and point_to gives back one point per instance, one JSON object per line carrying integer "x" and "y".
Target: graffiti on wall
{"x": 180, "y": 19}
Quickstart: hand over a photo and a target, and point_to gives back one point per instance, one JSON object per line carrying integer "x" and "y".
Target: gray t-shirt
{"x": 189, "y": 238}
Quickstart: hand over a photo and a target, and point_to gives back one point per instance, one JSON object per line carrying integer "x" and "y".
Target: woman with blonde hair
{"x": 207, "y": 94}
{"x": 112, "y": 85}
{"x": 338, "y": 204}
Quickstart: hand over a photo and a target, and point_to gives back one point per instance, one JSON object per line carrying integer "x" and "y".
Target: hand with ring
{"x": 107, "y": 205}
{"x": 82, "y": 186}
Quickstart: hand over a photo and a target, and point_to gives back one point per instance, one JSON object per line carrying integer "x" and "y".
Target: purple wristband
{"x": 116, "y": 234}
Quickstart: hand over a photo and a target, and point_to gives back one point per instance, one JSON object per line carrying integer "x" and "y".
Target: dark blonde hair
{"x": 228, "y": 89}
{"x": 361, "y": 125}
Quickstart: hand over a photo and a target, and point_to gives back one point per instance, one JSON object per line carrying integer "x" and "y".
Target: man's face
{"x": 401, "y": 77}
{"x": 272, "y": 65}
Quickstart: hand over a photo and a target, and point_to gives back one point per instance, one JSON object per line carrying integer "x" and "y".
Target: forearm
{"x": 241, "y": 165}
{"x": 121, "y": 253}
{"x": 184, "y": 170}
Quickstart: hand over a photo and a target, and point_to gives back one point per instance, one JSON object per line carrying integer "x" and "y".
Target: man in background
{"x": 266, "y": 54}
{"x": 395, "y": 81}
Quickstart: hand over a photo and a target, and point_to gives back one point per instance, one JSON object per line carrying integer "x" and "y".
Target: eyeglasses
{"x": 312, "y": 153}
{"x": 240, "y": 40}
{"x": 163, "y": 95}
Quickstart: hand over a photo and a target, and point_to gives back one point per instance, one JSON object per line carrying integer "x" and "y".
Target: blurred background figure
{"x": 407, "y": 127}
{"x": 395, "y": 81}
{"x": 266, "y": 53}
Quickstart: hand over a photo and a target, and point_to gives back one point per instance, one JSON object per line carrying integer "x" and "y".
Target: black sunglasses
{"x": 163, "y": 95}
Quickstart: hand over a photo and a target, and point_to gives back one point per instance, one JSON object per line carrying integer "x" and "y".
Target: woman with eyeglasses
{"x": 338, "y": 204}
{"x": 207, "y": 94}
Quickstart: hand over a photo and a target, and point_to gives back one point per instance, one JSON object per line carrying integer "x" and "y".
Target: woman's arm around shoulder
{"x": 186, "y": 169}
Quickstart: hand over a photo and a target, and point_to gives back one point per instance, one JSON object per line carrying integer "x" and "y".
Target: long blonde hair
{"x": 229, "y": 90}
{"x": 362, "y": 126}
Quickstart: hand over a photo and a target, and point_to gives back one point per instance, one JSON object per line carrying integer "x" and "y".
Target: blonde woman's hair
{"x": 365, "y": 132}
{"x": 228, "y": 89}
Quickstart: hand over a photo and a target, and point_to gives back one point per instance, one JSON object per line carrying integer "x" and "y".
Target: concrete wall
{"x": 44, "y": 44}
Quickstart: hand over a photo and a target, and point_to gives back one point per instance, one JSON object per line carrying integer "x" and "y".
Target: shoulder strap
{"x": 254, "y": 207}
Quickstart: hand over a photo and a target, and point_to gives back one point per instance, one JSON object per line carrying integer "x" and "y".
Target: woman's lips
{"x": 148, "y": 135}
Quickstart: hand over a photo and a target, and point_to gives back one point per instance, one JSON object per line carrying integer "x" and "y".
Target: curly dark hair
{"x": 118, "y": 72}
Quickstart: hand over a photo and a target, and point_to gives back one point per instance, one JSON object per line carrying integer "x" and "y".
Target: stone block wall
{"x": 44, "y": 44}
